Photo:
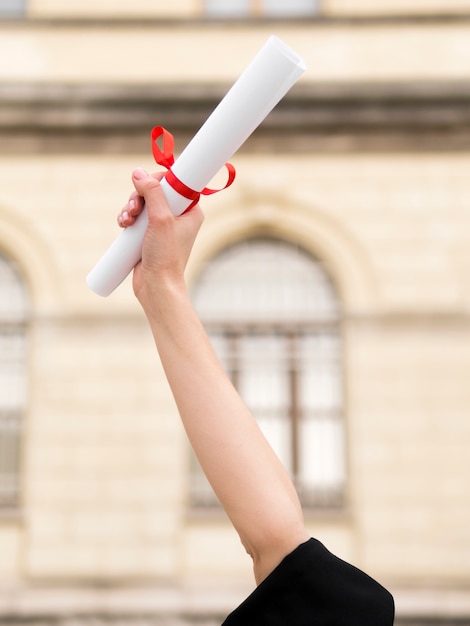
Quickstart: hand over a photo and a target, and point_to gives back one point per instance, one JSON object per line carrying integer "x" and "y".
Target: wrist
{"x": 161, "y": 296}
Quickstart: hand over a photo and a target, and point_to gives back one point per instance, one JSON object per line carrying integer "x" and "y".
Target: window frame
{"x": 256, "y": 10}
{"x": 14, "y": 329}
{"x": 320, "y": 499}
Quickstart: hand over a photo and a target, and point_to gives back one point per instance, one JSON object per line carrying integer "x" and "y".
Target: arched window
{"x": 14, "y": 313}
{"x": 274, "y": 320}
{"x": 261, "y": 8}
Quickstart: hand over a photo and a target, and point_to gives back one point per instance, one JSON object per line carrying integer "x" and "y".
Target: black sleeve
{"x": 312, "y": 587}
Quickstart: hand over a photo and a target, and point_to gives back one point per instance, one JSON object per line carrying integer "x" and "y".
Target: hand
{"x": 168, "y": 240}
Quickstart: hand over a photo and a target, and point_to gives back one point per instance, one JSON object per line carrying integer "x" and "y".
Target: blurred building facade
{"x": 333, "y": 277}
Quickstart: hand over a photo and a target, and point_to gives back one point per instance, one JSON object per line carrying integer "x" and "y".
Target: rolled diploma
{"x": 268, "y": 77}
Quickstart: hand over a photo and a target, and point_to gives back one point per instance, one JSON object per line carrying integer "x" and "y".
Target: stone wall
{"x": 365, "y": 165}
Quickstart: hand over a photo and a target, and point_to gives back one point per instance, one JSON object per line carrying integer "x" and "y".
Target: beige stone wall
{"x": 394, "y": 7}
{"x": 106, "y": 458}
{"x": 106, "y": 461}
{"x": 164, "y": 53}
{"x": 108, "y": 8}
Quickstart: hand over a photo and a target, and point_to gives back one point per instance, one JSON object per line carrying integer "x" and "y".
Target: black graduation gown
{"x": 312, "y": 587}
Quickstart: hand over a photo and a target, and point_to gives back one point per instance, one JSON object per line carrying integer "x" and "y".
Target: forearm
{"x": 244, "y": 472}
{"x": 247, "y": 477}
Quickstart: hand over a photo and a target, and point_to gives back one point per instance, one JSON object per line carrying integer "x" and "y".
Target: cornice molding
{"x": 321, "y": 20}
{"x": 413, "y": 116}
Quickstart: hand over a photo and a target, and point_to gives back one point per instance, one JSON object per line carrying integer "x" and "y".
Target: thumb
{"x": 148, "y": 186}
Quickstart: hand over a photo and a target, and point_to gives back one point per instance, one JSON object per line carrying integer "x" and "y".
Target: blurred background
{"x": 333, "y": 278}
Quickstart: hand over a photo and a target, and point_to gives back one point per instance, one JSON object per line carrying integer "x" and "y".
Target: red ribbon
{"x": 166, "y": 158}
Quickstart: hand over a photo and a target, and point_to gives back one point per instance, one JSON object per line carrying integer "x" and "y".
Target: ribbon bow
{"x": 166, "y": 158}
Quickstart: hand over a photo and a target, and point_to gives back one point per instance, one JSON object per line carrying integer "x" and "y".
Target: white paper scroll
{"x": 270, "y": 75}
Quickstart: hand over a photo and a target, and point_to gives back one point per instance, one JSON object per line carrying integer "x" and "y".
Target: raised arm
{"x": 247, "y": 477}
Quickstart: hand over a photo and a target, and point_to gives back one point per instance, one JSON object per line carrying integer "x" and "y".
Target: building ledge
{"x": 170, "y": 605}
{"x": 413, "y": 116}
{"x": 324, "y": 19}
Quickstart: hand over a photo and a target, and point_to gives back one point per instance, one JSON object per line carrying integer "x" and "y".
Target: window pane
{"x": 322, "y": 446}
{"x": 321, "y": 478}
{"x": 263, "y": 383}
{"x": 267, "y": 8}
{"x": 273, "y": 317}
{"x": 290, "y": 7}
{"x": 12, "y": 8}
{"x": 228, "y": 8}
{"x": 13, "y": 296}
{"x": 12, "y": 368}
{"x": 320, "y": 385}
{"x": 265, "y": 280}
{"x": 13, "y": 379}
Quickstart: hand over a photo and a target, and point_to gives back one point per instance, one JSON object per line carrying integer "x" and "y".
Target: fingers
{"x": 148, "y": 187}
{"x": 131, "y": 211}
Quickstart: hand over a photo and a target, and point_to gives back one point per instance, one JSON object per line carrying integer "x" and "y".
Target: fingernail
{"x": 131, "y": 205}
{"x": 124, "y": 216}
{"x": 139, "y": 173}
